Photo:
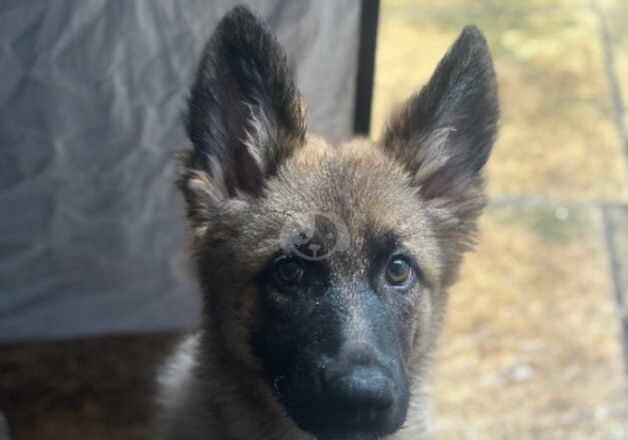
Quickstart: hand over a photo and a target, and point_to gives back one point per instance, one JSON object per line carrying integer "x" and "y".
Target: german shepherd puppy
{"x": 323, "y": 268}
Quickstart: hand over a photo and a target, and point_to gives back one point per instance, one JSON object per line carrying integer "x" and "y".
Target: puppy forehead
{"x": 354, "y": 184}
{"x": 354, "y": 181}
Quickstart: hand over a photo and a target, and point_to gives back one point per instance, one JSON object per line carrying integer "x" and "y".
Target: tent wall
{"x": 91, "y": 103}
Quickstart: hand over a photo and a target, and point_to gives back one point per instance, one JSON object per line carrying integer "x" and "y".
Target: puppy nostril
{"x": 363, "y": 389}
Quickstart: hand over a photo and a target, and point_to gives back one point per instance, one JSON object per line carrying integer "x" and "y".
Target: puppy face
{"x": 323, "y": 267}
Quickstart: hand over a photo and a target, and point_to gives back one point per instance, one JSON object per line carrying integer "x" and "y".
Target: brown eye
{"x": 398, "y": 270}
{"x": 288, "y": 271}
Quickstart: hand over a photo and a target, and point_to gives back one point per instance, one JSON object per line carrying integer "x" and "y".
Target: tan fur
{"x": 375, "y": 191}
{"x": 254, "y": 176}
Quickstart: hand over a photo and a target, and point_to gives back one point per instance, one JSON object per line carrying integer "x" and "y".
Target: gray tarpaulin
{"x": 91, "y": 100}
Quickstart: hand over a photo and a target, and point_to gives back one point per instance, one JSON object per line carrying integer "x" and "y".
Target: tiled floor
{"x": 533, "y": 343}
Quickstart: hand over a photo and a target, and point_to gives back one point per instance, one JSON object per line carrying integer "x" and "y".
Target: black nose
{"x": 362, "y": 388}
{"x": 357, "y": 378}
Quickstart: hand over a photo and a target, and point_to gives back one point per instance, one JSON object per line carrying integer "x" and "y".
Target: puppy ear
{"x": 443, "y": 135}
{"x": 245, "y": 115}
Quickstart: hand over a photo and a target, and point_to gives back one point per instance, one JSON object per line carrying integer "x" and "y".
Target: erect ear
{"x": 443, "y": 135}
{"x": 245, "y": 115}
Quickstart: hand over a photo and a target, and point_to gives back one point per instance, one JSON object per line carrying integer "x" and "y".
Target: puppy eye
{"x": 288, "y": 271}
{"x": 398, "y": 270}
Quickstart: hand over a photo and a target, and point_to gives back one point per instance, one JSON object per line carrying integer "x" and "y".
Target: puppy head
{"x": 323, "y": 267}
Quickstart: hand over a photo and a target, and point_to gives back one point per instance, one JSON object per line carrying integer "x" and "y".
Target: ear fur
{"x": 245, "y": 115}
{"x": 444, "y": 134}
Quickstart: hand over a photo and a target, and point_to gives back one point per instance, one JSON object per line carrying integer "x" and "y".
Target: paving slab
{"x": 558, "y": 137}
{"x": 532, "y": 344}
{"x": 614, "y": 18}
{"x": 616, "y": 236}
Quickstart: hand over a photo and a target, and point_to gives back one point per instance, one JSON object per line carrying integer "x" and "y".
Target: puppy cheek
{"x": 423, "y": 323}
{"x": 245, "y": 315}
